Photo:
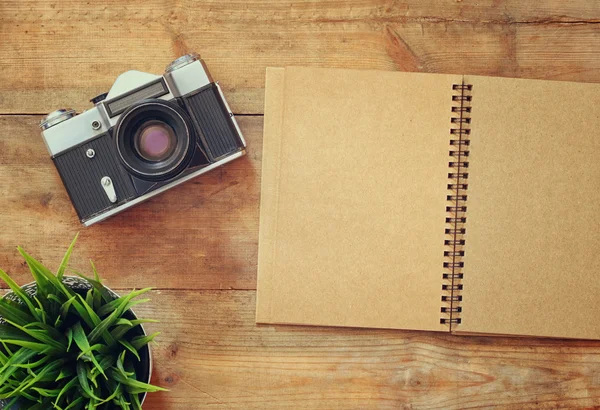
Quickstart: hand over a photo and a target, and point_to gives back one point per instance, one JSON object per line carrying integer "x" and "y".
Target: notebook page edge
{"x": 273, "y": 118}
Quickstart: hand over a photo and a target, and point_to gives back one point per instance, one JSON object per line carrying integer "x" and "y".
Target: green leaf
{"x": 39, "y": 335}
{"x": 10, "y": 404}
{"x": 46, "y": 392}
{"x": 45, "y": 272}
{"x": 97, "y": 299}
{"x": 96, "y": 276}
{"x": 106, "y": 361}
{"x": 122, "y": 403}
{"x": 43, "y": 405}
{"x": 64, "y": 373}
{"x": 14, "y": 313}
{"x": 119, "y": 331}
{"x": 115, "y": 393}
{"x": 69, "y": 338}
{"x": 54, "y": 298}
{"x": 43, "y": 360}
{"x": 9, "y": 332}
{"x": 136, "y": 402}
{"x": 83, "y": 312}
{"x": 63, "y": 265}
{"x": 113, "y": 304}
{"x": 42, "y": 283}
{"x": 54, "y": 304}
{"x": 114, "y": 316}
{"x": 133, "y": 383}
{"x": 134, "y": 303}
{"x": 91, "y": 405}
{"x": 19, "y": 292}
{"x": 89, "y": 298}
{"x": 19, "y": 357}
{"x": 10, "y": 335}
{"x": 129, "y": 347}
{"x": 55, "y": 334}
{"x": 39, "y": 347}
{"x": 6, "y": 348}
{"x": 42, "y": 310}
{"x": 75, "y": 404}
{"x": 107, "y": 296}
{"x": 140, "y": 341}
{"x": 64, "y": 308}
{"x": 121, "y": 365}
{"x": 97, "y": 323}
{"x": 80, "y": 338}
{"x": 7, "y": 388}
{"x": 82, "y": 372}
{"x": 91, "y": 375}
{"x": 68, "y": 386}
{"x": 82, "y": 342}
{"x": 95, "y": 348}
{"x": 90, "y": 311}
{"x": 43, "y": 375}
{"x": 123, "y": 321}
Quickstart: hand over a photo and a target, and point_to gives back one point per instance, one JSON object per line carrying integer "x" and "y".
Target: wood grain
{"x": 211, "y": 354}
{"x": 200, "y": 235}
{"x": 63, "y": 53}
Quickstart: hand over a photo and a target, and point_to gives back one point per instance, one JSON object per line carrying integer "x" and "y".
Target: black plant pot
{"x": 143, "y": 368}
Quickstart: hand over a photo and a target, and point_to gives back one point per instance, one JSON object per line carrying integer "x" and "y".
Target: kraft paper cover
{"x": 355, "y": 168}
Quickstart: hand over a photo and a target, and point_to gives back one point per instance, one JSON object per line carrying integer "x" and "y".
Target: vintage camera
{"x": 146, "y": 135}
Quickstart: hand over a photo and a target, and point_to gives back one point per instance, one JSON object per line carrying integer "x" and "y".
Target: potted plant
{"x": 68, "y": 342}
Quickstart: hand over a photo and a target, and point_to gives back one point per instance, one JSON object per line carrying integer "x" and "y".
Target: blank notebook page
{"x": 532, "y": 261}
{"x": 355, "y": 169}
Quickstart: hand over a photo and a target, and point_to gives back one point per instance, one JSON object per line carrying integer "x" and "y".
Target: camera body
{"x": 146, "y": 135}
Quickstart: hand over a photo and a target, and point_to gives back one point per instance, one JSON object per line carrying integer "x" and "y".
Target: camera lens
{"x": 155, "y": 140}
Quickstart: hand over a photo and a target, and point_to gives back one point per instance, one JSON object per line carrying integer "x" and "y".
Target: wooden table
{"x": 197, "y": 243}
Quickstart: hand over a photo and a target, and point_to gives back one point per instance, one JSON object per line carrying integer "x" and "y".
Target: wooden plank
{"x": 211, "y": 354}
{"x": 201, "y": 234}
{"x": 61, "y": 54}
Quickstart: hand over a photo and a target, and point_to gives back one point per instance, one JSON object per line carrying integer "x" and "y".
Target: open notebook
{"x": 436, "y": 202}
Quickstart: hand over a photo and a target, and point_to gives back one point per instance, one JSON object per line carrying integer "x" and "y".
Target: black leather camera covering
{"x": 213, "y": 123}
{"x": 81, "y": 176}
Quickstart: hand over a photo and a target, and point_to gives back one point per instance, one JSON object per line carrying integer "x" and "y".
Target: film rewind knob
{"x": 182, "y": 61}
{"x": 56, "y": 117}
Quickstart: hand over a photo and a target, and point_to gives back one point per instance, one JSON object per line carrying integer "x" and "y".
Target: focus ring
{"x": 137, "y": 117}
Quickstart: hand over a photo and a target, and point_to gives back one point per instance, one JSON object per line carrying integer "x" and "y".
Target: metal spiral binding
{"x": 454, "y": 241}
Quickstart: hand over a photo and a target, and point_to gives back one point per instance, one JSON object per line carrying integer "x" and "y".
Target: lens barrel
{"x": 155, "y": 140}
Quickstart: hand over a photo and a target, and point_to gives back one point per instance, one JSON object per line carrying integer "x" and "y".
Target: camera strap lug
{"x": 109, "y": 189}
